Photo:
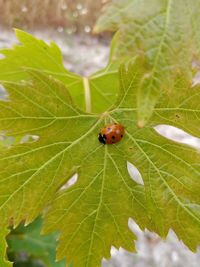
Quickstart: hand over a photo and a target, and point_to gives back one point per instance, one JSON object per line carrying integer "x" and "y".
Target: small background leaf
{"x": 35, "y": 247}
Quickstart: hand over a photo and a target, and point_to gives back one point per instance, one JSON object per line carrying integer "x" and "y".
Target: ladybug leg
{"x": 101, "y": 139}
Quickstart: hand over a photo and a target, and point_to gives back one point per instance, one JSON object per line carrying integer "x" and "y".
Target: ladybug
{"x": 112, "y": 133}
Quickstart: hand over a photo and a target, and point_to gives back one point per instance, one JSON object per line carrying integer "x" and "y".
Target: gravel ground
{"x": 85, "y": 55}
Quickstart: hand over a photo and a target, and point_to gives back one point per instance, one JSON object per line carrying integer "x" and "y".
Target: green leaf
{"x": 166, "y": 32}
{"x": 116, "y": 13}
{"x": 34, "y": 53}
{"x": 179, "y": 106}
{"x": 3, "y": 247}
{"x": 95, "y": 93}
{"x": 93, "y": 214}
{"x": 28, "y": 239}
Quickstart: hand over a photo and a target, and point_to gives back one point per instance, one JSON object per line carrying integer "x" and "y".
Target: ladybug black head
{"x": 101, "y": 139}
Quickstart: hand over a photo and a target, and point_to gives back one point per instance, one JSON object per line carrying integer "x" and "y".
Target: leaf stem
{"x": 86, "y": 86}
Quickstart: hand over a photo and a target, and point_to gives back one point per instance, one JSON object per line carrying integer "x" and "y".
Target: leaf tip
{"x": 141, "y": 124}
{"x": 17, "y": 31}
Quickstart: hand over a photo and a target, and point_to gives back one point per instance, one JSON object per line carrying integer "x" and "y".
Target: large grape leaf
{"x": 167, "y": 32}
{"x": 89, "y": 93}
{"x": 93, "y": 214}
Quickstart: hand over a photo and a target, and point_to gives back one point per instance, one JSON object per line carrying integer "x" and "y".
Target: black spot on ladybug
{"x": 113, "y": 137}
{"x": 104, "y": 136}
{"x": 101, "y": 139}
{"x": 121, "y": 136}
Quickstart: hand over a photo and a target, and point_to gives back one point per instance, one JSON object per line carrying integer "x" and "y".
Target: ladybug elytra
{"x": 112, "y": 133}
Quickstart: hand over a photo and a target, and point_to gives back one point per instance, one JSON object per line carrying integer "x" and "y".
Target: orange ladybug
{"x": 112, "y": 133}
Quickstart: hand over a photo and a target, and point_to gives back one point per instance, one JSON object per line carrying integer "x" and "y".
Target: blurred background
{"x": 74, "y": 16}
{"x": 69, "y": 23}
